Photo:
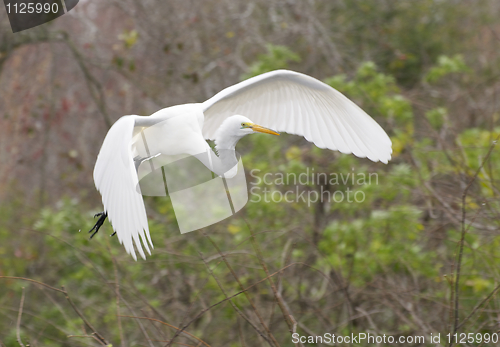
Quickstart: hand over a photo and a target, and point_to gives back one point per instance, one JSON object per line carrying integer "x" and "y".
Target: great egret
{"x": 282, "y": 100}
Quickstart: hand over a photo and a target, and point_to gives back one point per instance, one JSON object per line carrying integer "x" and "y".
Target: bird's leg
{"x": 102, "y": 217}
{"x": 138, "y": 160}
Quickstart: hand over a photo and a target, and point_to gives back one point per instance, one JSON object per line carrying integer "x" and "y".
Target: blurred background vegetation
{"x": 418, "y": 255}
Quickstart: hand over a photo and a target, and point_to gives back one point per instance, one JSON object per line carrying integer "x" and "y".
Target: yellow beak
{"x": 261, "y": 129}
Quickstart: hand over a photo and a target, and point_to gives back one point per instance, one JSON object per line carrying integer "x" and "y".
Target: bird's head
{"x": 240, "y": 126}
{"x": 236, "y": 127}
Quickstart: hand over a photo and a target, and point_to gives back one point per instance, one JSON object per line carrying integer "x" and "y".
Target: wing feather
{"x": 116, "y": 179}
{"x": 299, "y": 104}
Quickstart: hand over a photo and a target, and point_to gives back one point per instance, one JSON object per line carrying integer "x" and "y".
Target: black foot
{"x": 102, "y": 217}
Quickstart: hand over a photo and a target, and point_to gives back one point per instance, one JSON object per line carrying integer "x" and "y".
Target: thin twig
{"x": 452, "y": 296}
{"x": 139, "y": 323}
{"x": 172, "y": 326}
{"x": 117, "y": 293}
{"x": 240, "y": 333}
{"x": 229, "y": 298}
{"x": 18, "y": 325}
{"x": 178, "y": 343}
{"x": 30, "y": 280}
{"x": 232, "y": 303}
{"x": 94, "y": 87}
{"x": 448, "y": 209}
{"x": 87, "y": 323}
{"x": 86, "y": 336}
{"x": 261, "y": 320}
{"x": 277, "y": 295}
{"x": 462, "y": 238}
{"x": 479, "y": 305}
{"x": 84, "y": 259}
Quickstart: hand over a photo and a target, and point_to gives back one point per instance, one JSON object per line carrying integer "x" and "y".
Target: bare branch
{"x": 18, "y": 325}
{"x": 87, "y": 323}
{"x": 172, "y": 326}
{"x": 462, "y": 238}
{"x": 30, "y": 280}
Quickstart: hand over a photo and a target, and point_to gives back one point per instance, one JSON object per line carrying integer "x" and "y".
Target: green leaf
{"x": 277, "y": 57}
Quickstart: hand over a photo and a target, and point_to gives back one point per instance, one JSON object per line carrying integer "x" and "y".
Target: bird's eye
{"x": 243, "y": 124}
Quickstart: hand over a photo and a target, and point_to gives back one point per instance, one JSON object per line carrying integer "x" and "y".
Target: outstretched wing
{"x": 115, "y": 177}
{"x": 299, "y": 104}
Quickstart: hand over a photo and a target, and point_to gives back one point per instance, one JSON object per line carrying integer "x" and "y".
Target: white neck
{"x": 224, "y": 141}
{"x": 225, "y": 159}
{"x": 225, "y": 145}
{"x": 226, "y": 156}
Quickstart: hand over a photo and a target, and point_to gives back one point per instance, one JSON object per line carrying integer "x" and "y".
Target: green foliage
{"x": 446, "y": 66}
{"x": 476, "y": 142}
{"x": 377, "y": 91}
{"x": 437, "y": 117}
{"x": 129, "y": 38}
{"x": 402, "y": 37}
{"x": 378, "y": 245}
{"x": 277, "y": 57}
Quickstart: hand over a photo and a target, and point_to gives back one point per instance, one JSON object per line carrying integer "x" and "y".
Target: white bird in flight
{"x": 282, "y": 100}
